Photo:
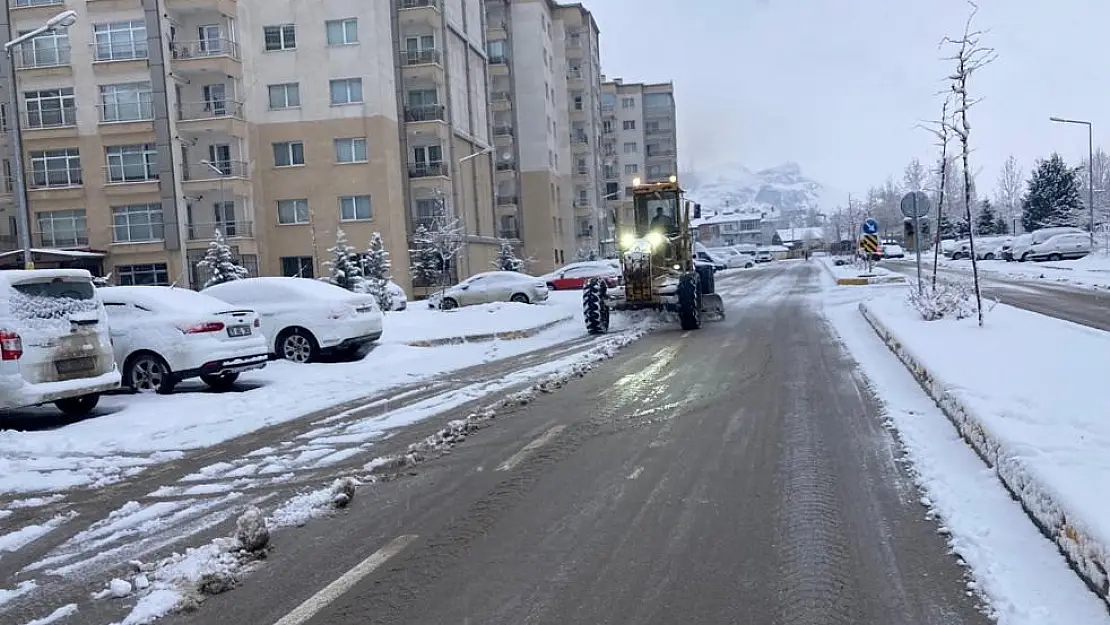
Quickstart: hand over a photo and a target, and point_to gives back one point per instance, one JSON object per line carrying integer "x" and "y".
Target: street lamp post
{"x": 462, "y": 209}
{"x": 64, "y": 19}
{"x": 218, "y": 214}
{"x": 1090, "y": 169}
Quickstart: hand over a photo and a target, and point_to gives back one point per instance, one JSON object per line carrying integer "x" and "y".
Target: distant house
{"x": 796, "y": 238}
{"x": 729, "y": 229}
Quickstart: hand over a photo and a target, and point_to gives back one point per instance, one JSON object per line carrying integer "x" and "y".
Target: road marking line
{"x": 635, "y": 474}
{"x": 312, "y": 606}
{"x": 519, "y": 456}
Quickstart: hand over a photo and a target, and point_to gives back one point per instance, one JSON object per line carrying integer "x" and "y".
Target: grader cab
{"x": 656, "y": 251}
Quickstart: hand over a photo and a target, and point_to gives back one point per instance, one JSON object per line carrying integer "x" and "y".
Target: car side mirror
{"x": 465, "y": 287}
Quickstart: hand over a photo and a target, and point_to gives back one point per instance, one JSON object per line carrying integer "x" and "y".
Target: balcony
{"x": 427, "y": 170}
{"x": 223, "y": 7}
{"x": 652, "y": 132}
{"x": 130, "y": 179}
{"x": 30, "y": 57}
{"x": 223, "y": 117}
{"x": 135, "y": 117}
{"x": 421, "y": 57}
{"x": 503, "y": 130}
{"x": 123, "y": 56}
{"x": 498, "y": 65}
{"x": 35, "y": 10}
{"x": 206, "y": 231}
{"x": 581, "y": 171}
{"x": 60, "y": 183}
{"x": 660, "y": 154}
{"x": 497, "y": 29}
{"x": 506, "y": 166}
{"x": 50, "y": 123}
{"x": 501, "y": 100}
{"x": 214, "y": 173}
{"x": 507, "y": 200}
{"x": 60, "y": 239}
{"x": 210, "y": 57}
{"x": 508, "y": 233}
{"x": 425, "y": 113}
{"x": 574, "y": 77}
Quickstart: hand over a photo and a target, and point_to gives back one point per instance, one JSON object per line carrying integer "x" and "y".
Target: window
{"x": 608, "y": 101}
{"x": 342, "y": 32}
{"x": 132, "y": 163}
{"x": 628, "y": 192}
{"x": 351, "y": 150}
{"x": 354, "y": 207}
{"x": 651, "y": 127}
{"x": 285, "y": 96}
{"x": 51, "y": 108}
{"x": 630, "y": 147}
{"x": 629, "y": 124}
{"x": 46, "y": 50}
{"x": 346, "y": 91}
{"x": 297, "y": 266}
{"x": 423, "y": 97}
{"x": 428, "y": 154}
{"x": 498, "y": 50}
{"x": 292, "y": 212}
{"x": 56, "y": 168}
{"x": 154, "y": 274}
{"x": 137, "y": 223}
{"x": 578, "y": 102}
{"x": 628, "y": 103}
{"x": 612, "y": 190}
{"x": 65, "y": 228}
{"x": 631, "y": 169}
{"x": 283, "y": 37}
{"x": 120, "y": 41}
{"x": 126, "y": 102}
{"x": 607, "y": 126}
{"x": 288, "y": 153}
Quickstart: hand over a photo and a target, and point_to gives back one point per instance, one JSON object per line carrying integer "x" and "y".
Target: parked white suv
{"x": 1062, "y": 246}
{"x": 54, "y": 342}
{"x": 162, "y": 335}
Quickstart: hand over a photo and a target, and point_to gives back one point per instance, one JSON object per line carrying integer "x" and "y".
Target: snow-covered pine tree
{"x": 425, "y": 257}
{"x": 507, "y": 259}
{"x": 375, "y": 271}
{"x": 345, "y": 266}
{"x": 986, "y": 219}
{"x": 1053, "y": 197}
{"x": 1001, "y": 226}
{"x": 219, "y": 262}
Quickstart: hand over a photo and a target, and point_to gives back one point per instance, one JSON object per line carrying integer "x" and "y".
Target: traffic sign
{"x": 870, "y": 226}
{"x": 915, "y": 204}
{"x": 870, "y": 243}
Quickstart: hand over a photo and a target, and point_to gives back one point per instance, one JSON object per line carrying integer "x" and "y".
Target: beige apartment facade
{"x": 276, "y": 124}
{"x": 544, "y": 73}
{"x": 639, "y": 140}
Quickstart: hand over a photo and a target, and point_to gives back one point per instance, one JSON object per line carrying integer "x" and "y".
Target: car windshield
{"x": 52, "y": 298}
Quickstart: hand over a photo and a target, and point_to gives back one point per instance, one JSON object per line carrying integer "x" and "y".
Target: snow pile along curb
{"x": 1087, "y": 556}
{"x": 866, "y": 280}
{"x": 510, "y": 335}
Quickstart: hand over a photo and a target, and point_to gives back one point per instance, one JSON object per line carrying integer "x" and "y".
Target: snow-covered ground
{"x": 853, "y": 269}
{"x": 1092, "y": 271}
{"x": 133, "y": 432}
{"x": 1049, "y": 414}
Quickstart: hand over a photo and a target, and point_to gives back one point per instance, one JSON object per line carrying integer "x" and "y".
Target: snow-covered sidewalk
{"x": 856, "y": 270}
{"x": 1092, "y": 272}
{"x": 420, "y": 324}
{"x": 1025, "y": 391}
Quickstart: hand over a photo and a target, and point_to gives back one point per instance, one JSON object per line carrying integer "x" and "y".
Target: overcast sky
{"x": 837, "y": 85}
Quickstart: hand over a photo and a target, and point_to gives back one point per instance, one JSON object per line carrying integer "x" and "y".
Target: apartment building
{"x": 545, "y": 85}
{"x": 639, "y": 139}
{"x": 151, "y": 124}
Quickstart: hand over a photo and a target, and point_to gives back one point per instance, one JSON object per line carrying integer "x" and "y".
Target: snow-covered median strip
{"x": 1021, "y": 576}
{"x": 1025, "y": 392}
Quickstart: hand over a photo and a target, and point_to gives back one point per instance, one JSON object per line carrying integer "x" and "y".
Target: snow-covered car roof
{"x": 515, "y": 275}
{"x": 307, "y": 287}
{"x": 9, "y": 277}
{"x": 165, "y": 299}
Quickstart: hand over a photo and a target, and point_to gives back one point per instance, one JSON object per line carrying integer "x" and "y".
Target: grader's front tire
{"x": 595, "y": 307}
{"x": 689, "y": 301}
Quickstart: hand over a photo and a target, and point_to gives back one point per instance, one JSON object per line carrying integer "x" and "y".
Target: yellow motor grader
{"x": 656, "y": 253}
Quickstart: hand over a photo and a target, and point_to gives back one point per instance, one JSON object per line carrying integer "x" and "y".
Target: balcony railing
{"x": 419, "y": 4}
{"x": 191, "y": 111}
{"x": 502, "y": 130}
{"x": 509, "y": 233}
{"x": 203, "y": 231}
{"x": 498, "y": 59}
{"x": 420, "y": 57}
{"x": 123, "y": 51}
{"x": 579, "y": 138}
{"x": 127, "y": 111}
{"x": 27, "y": 56}
{"x": 582, "y": 171}
{"x": 426, "y": 170}
{"x": 506, "y": 200}
{"x": 218, "y": 169}
{"x": 56, "y": 178}
{"x": 574, "y": 74}
{"x": 130, "y": 174}
{"x": 500, "y": 96}
{"x": 510, "y": 166}
{"x": 19, "y": 4}
{"x": 62, "y": 239}
{"x": 65, "y": 117}
{"x": 660, "y": 153}
{"x": 207, "y": 48}
{"x": 425, "y": 113}
{"x": 658, "y": 131}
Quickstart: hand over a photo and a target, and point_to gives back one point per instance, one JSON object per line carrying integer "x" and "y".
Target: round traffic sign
{"x": 915, "y": 204}
{"x": 870, "y": 226}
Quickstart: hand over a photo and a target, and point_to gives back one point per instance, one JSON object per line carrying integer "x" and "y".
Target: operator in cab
{"x": 663, "y": 223}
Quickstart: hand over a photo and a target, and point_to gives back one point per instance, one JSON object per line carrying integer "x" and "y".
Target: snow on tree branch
{"x": 219, "y": 262}
{"x": 345, "y": 265}
{"x": 375, "y": 272}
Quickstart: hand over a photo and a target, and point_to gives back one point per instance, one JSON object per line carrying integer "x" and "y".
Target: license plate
{"x": 234, "y": 331}
{"x": 73, "y": 365}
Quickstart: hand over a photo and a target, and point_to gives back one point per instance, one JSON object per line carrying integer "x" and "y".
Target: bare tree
{"x": 970, "y": 57}
{"x": 1007, "y": 196}
{"x": 913, "y": 178}
{"x": 940, "y": 129}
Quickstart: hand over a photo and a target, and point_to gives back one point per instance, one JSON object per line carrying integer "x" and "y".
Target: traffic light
{"x": 697, "y": 210}
{"x": 907, "y": 229}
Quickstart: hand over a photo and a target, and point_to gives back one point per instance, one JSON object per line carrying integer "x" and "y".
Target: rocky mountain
{"x": 783, "y": 192}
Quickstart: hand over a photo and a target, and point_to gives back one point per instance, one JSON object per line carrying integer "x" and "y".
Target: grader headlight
{"x": 628, "y": 239}
{"x": 656, "y": 239}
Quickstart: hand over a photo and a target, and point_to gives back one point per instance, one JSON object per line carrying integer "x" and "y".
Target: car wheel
{"x": 77, "y": 406}
{"x": 989, "y": 256}
{"x": 223, "y": 382}
{"x": 1055, "y": 257}
{"x": 148, "y": 372}
{"x": 551, "y": 286}
{"x": 297, "y": 345}
{"x": 448, "y": 304}
{"x": 1024, "y": 257}
{"x": 519, "y": 298}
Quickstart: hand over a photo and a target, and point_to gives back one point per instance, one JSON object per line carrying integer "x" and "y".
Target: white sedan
{"x": 492, "y": 286}
{"x": 162, "y": 335}
{"x": 306, "y": 318}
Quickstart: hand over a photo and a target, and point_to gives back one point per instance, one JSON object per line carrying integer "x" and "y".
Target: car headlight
{"x": 655, "y": 238}
{"x": 628, "y": 240}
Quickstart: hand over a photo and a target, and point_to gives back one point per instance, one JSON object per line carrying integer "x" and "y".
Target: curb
{"x": 1085, "y": 554}
{"x": 870, "y": 280}
{"x": 509, "y": 335}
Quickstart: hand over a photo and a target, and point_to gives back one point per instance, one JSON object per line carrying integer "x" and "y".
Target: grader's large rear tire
{"x": 595, "y": 306}
{"x": 689, "y": 301}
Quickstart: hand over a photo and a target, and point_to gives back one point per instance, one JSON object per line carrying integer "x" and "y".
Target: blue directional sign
{"x": 870, "y": 226}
